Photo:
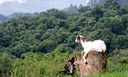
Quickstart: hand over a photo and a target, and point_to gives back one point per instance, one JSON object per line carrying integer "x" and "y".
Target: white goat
{"x": 96, "y": 45}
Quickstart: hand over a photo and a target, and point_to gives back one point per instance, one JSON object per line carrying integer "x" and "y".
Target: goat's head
{"x": 78, "y": 38}
{"x": 69, "y": 67}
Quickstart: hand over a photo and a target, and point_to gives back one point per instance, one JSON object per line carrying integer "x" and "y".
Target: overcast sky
{"x": 9, "y": 6}
{"x": 69, "y": 1}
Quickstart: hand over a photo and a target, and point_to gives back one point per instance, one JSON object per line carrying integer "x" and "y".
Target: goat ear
{"x": 83, "y": 39}
{"x": 78, "y": 36}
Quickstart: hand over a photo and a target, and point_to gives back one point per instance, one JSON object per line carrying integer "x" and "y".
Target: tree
{"x": 83, "y": 9}
{"x": 58, "y": 14}
{"x": 91, "y": 21}
{"x": 124, "y": 19}
{"x": 111, "y": 5}
{"x": 5, "y": 65}
{"x": 117, "y": 26}
{"x": 97, "y": 12}
{"x": 47, "y": 46}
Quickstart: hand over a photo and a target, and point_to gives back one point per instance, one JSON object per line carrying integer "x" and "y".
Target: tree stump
{"x": 96, "y": 62}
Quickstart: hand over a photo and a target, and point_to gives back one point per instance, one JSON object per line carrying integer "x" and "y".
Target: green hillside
{"x": 38, "y": 46}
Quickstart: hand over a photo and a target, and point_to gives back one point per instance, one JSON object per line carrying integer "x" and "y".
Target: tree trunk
{"x": 96, "y": 62}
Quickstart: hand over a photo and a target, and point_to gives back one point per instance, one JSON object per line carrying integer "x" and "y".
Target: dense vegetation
{"x": 38, "y": 46}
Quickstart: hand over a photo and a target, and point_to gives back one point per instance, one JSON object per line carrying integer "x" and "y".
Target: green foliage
{"x": 47, "y": 46}
{"x": 112, "y": 74}
{"x": 5, "y": 65}
{"x": 42, "y": 43}
{"x": 38, "y": 64}
{"x": 83, "y": 9}
{"x": 119, "y": 61}
{"x": 111, "y": 4}
{"x": 97, "y": 12}
{"x": 52, "y": 29}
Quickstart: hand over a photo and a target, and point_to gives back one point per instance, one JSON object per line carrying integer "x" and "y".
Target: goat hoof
{"x": 86, "y": 62}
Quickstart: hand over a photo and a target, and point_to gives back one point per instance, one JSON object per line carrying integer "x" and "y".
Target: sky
{"x": 8, "y": 7}
{"x": 20, "y": 1}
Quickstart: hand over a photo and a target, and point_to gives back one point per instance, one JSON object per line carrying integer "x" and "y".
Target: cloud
{"x": 2, "y": 1}
{"x": 19, "y": 1}
{"x": 87, "y": 1}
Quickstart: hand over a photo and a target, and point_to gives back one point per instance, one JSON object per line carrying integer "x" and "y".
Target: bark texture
{"x": 96, "y": 62}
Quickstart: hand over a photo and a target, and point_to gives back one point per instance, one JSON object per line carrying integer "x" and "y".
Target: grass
{"x": 107, "y": 74}
{"x": 113, "y": 74}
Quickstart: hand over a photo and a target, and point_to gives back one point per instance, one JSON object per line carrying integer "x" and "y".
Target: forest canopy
{"x": 52, "y": 33}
